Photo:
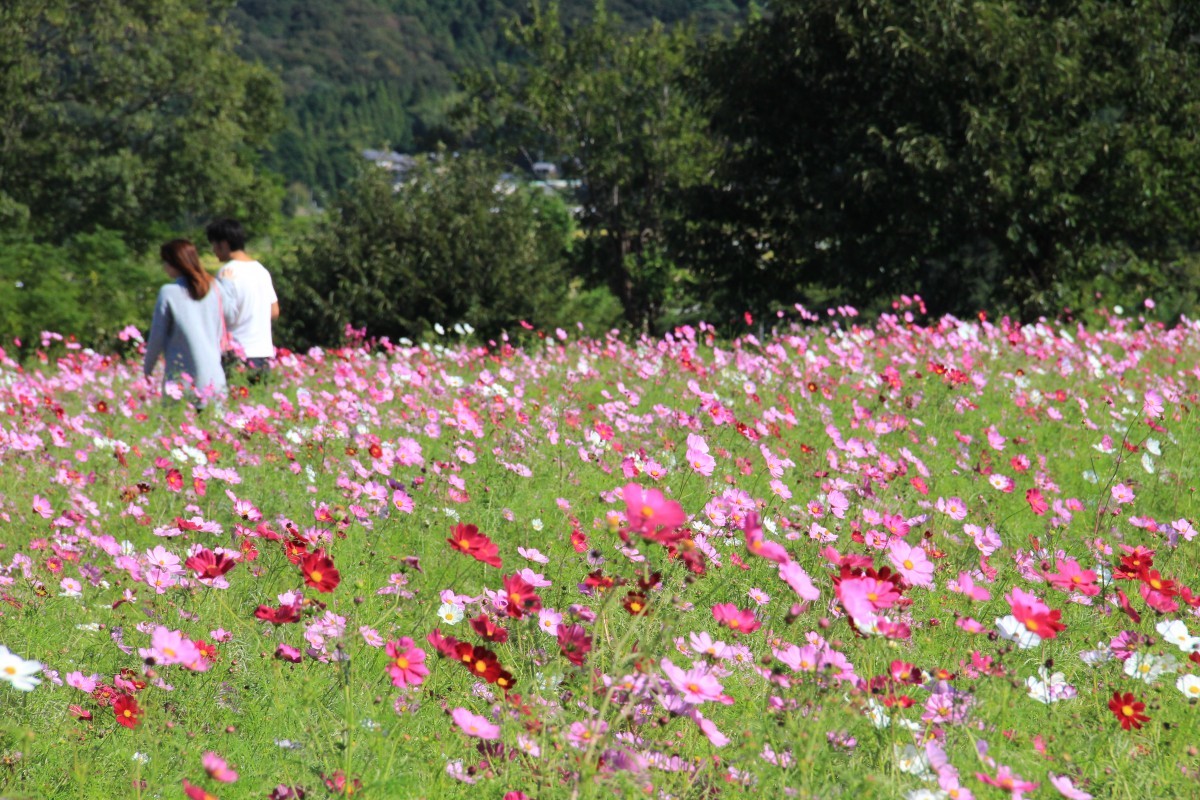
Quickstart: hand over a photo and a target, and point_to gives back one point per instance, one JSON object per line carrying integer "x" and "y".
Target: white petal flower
{"x": 18, "y": 671}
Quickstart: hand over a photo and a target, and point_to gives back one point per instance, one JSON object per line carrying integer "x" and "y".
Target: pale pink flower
{"x": 475, "y": 725}
{"x": 217, "y": 768}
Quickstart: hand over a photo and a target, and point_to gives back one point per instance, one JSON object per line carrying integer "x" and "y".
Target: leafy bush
{"x": 90, "y": 287}
{"x": 449, "y": 245}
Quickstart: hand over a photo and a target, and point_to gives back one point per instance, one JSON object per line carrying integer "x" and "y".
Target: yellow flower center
{"x": 316, "y": 576}
{"x": 908, "y": 564}
{"x": 401, "y": 662}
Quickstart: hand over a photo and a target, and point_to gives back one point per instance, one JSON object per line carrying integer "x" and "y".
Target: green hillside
{"x": 375, "y": 73}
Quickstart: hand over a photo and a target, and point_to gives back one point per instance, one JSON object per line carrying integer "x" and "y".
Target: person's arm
{"x": 159, "y": 325}
{"x": 275, "y": 310}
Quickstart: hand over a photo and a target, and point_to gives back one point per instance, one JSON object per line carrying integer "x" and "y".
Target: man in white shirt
{"x": 248, "y": 297}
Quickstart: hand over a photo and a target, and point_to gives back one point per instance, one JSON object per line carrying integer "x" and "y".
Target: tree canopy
{"x": 977, "y": 151}
{"x": 129, "y": 116}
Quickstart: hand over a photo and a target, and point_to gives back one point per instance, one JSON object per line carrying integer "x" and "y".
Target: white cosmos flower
{"x": 1148, "y": 667}
{"x": 18, "y": 671}
{"x": 1014, "y": 630}
{"x": 1047, "y": 688}
{"x": 450, "y": 614}
{"x": 912, "y": 760}
{"x": 1189, "y": 685}
{"x": 1176, "y": 632}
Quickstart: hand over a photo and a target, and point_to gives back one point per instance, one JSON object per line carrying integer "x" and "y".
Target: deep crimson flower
{"x": 319, "y": 572}
{"x": 467, "y": 539}
{"x": 295, "y": 550}
{"x": 574, "y": 643}
{"x": 489, "y": 630}
{"x": 521, "y": 596}
{"x": 635, "y": 603}
{"x": 1127, "y": 710}
{"x": 126, "y": 709}
{"x": 482, "y": 663}
{"x": 207, "y": 564}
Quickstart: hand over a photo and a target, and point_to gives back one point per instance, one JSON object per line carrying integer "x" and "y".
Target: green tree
{"x": 129, "y": 115}
{"x": 449, "y": 245}
{"x": 977, "y": 151}
{"x": 609, "y": 107}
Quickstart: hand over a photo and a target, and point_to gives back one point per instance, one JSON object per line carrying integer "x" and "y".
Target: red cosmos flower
{"x": 194, "y": 792}
{"x": 174, "y": 480}
{"x": 1127, "y": 710}
{"x": 207, "y": 564}
{"x": 467, "y": 539}
{"x": 489, "y": 630}
{"x": 278, "y": 616}
{"x": 635, "y": 603}
{"x": 522, "y": 598}
{"x": 295, "y": 550}
{"x": 579, "y": 541}
{"x": 483, "y": 663}
{"x": 126, "y": 709}
{"x": 1135, "y": 561}
{"x": 574, "y": 643}
{"x": 1153, "y": 579}
{"x": 447, "y": 646}
{"x": 319, "y": 572}
{"x": 1044, "y": 624}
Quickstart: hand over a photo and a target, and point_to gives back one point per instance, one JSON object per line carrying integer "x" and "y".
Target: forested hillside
{"x": 374, "y": 73}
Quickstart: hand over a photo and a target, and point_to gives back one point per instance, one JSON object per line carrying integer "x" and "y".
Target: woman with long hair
{"x": 188, "y": 325}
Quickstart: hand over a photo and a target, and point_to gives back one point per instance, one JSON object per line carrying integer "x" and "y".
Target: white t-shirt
{"x": 248, "y": 296}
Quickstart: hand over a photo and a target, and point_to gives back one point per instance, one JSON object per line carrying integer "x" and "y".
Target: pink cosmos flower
{"x": 1067, "y": 789}
{"x": 475, "y": 725}
{"x": 647, "y": 510}
{"x": 42, "y": 507}
{"x": 1037, "y": 503}
{"x": 407, "y": 664}
{"x": 170, "y": 647}
{"x": 217, "y": 768}
{"x": 581, "y": 734}
{"x": 696, "y": 685}
{"x": 1073, "y": 578}
{"x": 84, "y": 683}
{"x": 1152, "y": 404}
{"x": 966, "y": 585}
{"x": 912, "y": 563}
{"x": 794, "y": 576}
{"x": 1122, "y": 494}
{"x": 736, "y": 620}
{"x": 757, "y": 545}
{"x": 862, "y": 597}
{"x": 1008, "y": 780}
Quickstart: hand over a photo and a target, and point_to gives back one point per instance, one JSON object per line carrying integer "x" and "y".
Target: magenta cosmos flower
{"x": 407, "y": 665}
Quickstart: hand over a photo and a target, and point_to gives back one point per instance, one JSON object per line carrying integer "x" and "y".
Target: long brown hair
{"x": 181, "y": 254}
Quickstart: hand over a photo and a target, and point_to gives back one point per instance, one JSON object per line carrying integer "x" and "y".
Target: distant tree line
{"x": 1018, "y": 157}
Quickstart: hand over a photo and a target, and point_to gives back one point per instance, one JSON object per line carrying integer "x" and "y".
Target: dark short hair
{"x": 227, "y": 230}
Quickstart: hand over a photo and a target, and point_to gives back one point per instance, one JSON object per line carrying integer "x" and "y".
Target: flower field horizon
{"x": 908, "y": 558}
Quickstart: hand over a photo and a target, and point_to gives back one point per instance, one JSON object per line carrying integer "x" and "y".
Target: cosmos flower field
{"x": 908, "y": 558}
